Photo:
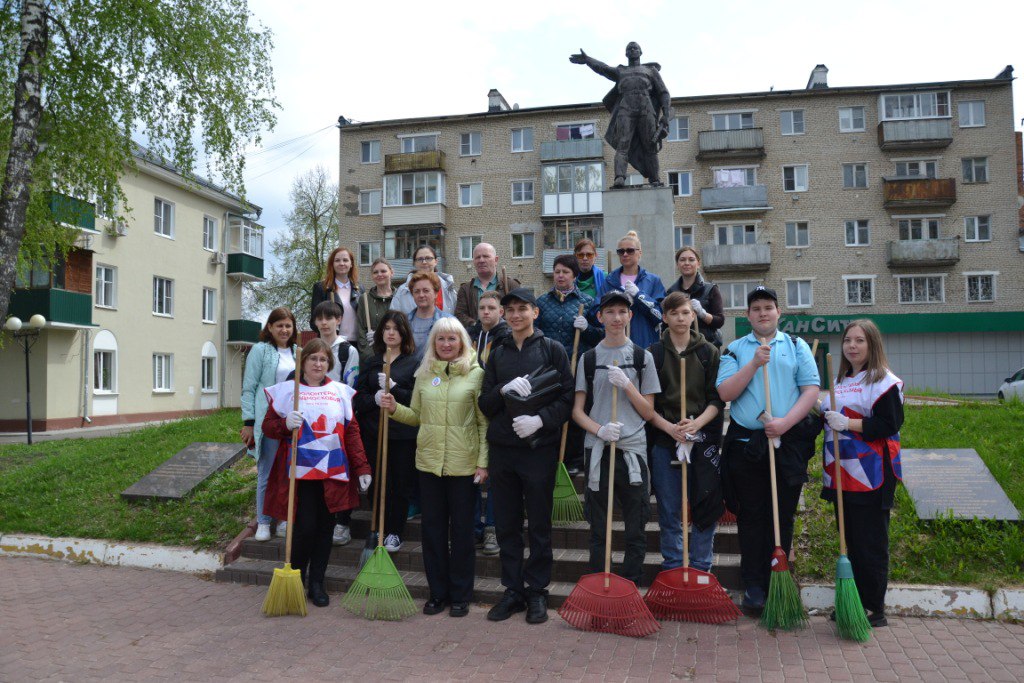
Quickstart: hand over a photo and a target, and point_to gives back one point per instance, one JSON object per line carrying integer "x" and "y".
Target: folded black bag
{"x": 545, "y": 385}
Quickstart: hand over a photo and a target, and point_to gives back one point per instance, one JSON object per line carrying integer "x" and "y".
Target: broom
{"x": 850, "y": 618}
{"x": 783, "y": 608}
{"x": 606, "y": 602}
{"x": 566, "y": 507}
{"x": 378, "y": 591}
{"x": 372, "y": 538}
{"x": 285, "y": 595}
{"x": 684, "y": 594}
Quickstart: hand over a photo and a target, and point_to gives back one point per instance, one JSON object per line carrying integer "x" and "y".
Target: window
{"x": 922, "y": 105}
{"x": 851, "y": 119}
{"x": 734, "y": 294}
{"x": 798, "y": 294}
{"x": 792, "y": 122}
{"x": 794, "y": 178}
{"x": 410, "y": 189}
{"x": 368, "y": 253}
{"x": 855, "y": 175}
{"x": 679, "y": 129}
{"x": 858, "y": 233}
{"x": 522, "y": 192}
{"x": 734, "y": 121}
{"x": 209, "y": 305}
{"x": 972, "y": 113}
{"x": 680, "y": 183}
{"x": 163, "y": 368}
{"x": 572, "y": 188}
{"x": 684, "y": 236}
{"x": 919, "y": 228}
{"x": 471, "y": 194}
{"x": 418, "y": 143}
{"x": 575, "y": 131}
{"x": 209, "y": 233}
{"x": 977, "y": 228}
{"x": 106, "y": 286}
{"x": 920, "y": 289}
{"x": 522, "y": 139}
{"x": 208, "y": 369}
{"x": 522, "y": 245}
{"x": 163, "y": 218}
{"x": 469, "y": 144}
{"x": 163, "y": 296}
{"x": 103, "y": 372}
{"x": 981, "y": 287}
{"x": 467, "y": 244}
{"x": 736, "y": 234}
{"x": 402, "y": 243}
{"x": 915, "y": 168}
{"x": 860, "y": 291}
{"x": 736, "y": 177}
{"x": 797, "y": 234}
{"x": 370, "y": 152}
{"x": 252, "y": 239}
{"x": 975, "y": 170}
{"x": 369, "y": 202}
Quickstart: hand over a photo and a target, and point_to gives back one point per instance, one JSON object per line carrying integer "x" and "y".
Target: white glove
{"x": 520, "y": 385}
{"x": 610, "y": 432}
{"x": 376, "y": 397}
{"x": 526, "y": 425}
{"x": 631, "y": 289}
{"x": 837, "y": 421}
{"x": 381, "y": 379}
{"x": 697, "y": 308}
{"x": 369, "y": 338}
{"x": 364, "y": 482}
{"x": 617, "y": 377}
{"x": 580, "y": 323}
{"x": 293, "y": 420}
{"x": 683, "y": 451}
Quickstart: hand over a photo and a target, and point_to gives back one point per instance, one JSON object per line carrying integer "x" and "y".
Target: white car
{"x": 1013, "y": 387}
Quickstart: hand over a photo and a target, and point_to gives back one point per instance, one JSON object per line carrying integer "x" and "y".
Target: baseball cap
{"x": 614, "y": 297}
{"x": 761, "y": 292}
{"x": 521, "y": 294}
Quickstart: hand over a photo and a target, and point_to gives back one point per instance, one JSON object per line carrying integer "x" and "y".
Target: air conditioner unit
{"x": 219, "y": 259}
{"x": 121, "y": 228}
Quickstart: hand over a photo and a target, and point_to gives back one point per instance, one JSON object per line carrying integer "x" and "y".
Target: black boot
{"x": 317, "y": 594}
{"x": 536, "y": 608}
{"x": 510, "y": 603}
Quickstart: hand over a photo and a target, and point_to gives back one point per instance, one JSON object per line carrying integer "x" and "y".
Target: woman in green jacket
{"x": 451, "y": 455}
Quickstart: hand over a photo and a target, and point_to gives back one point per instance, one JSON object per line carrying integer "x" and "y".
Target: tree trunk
{"x": 26, "y": 115}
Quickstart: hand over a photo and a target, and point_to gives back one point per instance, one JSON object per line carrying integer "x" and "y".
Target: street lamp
{"x": 27, "y": 338}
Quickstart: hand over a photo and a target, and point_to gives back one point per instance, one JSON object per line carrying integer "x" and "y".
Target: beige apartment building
{"x": 898, "y": 203}
{"x": 144, "y": 315}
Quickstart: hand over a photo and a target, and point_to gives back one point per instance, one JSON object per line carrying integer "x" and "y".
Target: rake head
{"x": 617, "y": 608}
{"x": 378, "y": 592}
{"x": 687, "y": 594}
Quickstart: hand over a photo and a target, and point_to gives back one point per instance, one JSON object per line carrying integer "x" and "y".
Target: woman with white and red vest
{"x": 868, "y": 415}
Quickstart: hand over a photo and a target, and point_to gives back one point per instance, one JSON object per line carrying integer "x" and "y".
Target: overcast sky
{"x": 371, "y": 61}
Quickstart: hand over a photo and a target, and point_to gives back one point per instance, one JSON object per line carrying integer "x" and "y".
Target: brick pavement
{"x": 62, "y": 621}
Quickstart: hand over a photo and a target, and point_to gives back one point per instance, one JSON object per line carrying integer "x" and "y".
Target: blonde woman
{"x": 451, "y": 455}
{"x": 645, "y": 290}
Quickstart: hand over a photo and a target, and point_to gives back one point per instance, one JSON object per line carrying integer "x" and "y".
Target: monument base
{"x": 650, "y": 212}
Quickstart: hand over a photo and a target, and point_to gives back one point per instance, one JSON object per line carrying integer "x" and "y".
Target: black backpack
{"x": 658, "y": 352}
{"x": 590, "y": 369}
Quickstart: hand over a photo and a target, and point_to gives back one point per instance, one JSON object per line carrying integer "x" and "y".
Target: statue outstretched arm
{"x": 597, "y": 66}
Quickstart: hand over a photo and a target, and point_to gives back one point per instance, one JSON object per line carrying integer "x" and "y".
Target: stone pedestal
{"x": 648, "y": 211}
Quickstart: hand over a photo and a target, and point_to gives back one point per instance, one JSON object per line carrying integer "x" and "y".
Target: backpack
{"x": 590, "y": 369}
{"x": 657, "y": 350}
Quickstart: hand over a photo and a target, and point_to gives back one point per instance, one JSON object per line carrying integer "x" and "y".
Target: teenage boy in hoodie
{"x": 689, "y": 439}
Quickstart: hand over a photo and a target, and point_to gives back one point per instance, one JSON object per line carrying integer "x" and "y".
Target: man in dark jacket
{"x": 485, "y": 261}
{"x": 523, "y": 472}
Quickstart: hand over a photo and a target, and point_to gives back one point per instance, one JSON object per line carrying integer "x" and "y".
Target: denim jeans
{"x": 667, "y": 482}
{"x": 482, "y": 518}
{"x": 268, "y": 450}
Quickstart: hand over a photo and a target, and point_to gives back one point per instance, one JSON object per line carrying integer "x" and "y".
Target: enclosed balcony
{"x": 915, "y": 134}
{"x": 73, "y": 212}
{"x": 907, "y": 193}
{"x": 417, "y": 214}
{"x": 60, "y": 307}
{"x": 431, "y": 160}
{"x": 944, "y": 251}
{"x": 736, "y": 257}
{"x": 243, "y": 332}
{"x": 726, "y": 144}
{"x": 720, "y": 200}
{"x": 244, "y": 249}
{"x": 568, "y": 150}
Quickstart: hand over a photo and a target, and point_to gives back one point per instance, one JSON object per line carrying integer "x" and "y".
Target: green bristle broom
{"x": 566, "y": 507}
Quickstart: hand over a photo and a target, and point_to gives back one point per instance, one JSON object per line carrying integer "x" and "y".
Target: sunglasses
{"x": 626, "y": 250}
{"x": 584, "y": 255}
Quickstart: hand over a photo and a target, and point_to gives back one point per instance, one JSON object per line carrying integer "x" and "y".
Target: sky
{"x": 372, "y": 61}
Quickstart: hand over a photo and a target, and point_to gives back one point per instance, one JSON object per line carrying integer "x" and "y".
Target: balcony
{"x": 567, "y": 150}
{"x": 905, "y": 193}
{"x": 939, "y": 252}
{"x": 73, "y": 212}
{"x": 719, "y": 200}
{"x": 414, "y": 161}
{"x": 915, "y": 134}
{"x": 245, "y": 267}
{"x": 416, "y": 214}
{"x": 59, "y": 306}
{"x": 726, "y": 144}
{"x": 736, "y": 257}
{"x": 243, "y": 332}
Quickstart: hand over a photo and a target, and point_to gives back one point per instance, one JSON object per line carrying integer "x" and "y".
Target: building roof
{"x": 151, "y": 161}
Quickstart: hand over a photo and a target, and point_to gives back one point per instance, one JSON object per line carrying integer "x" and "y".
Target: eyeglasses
{"x": 425, "y": 259}
{"x": 315, "y": 360}
{"x": 626, "y": 250}
{"x": 585, "y": 255}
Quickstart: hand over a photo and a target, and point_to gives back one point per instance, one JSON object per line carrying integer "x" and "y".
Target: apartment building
{"x": 144, "y": 315}
{"x": 895, "y": 202}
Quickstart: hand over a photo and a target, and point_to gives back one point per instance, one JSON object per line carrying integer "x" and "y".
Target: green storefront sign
{"x": 899, "y": 323}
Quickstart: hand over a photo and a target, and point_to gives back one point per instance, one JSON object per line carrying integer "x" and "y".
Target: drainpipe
{"x": 86, "y": 334}
{"x": 222, "y": 353}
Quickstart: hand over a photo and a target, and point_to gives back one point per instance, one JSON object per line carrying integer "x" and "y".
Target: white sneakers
{"x": 282, "y": 529}
{"x": 262, "y": 532}
{"x": 342, "y": 535}
{"x": 392, "y": 543}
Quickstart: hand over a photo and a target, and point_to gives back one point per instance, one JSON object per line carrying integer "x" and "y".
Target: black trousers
{"x": 311, "y": 532}
{"x": 401, "y": 480}
{"x": 449, "y": 553}
{"x": 751, "y": 484}
{"x": 635, "y": 502}
{"x": 574, "y": 446}
{"x": 867, "y": 546}
{"x": 523, "y": 477}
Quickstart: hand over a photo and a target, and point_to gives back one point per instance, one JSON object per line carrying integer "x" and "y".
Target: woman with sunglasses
{"x": 424, "y": 260}
{"x": 644, "y": 289}
{"x": 591, "y": 278}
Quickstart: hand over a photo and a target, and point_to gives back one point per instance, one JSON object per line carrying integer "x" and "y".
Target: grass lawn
{"x": 980, "y": 553}
{"x": 73, "y": 487}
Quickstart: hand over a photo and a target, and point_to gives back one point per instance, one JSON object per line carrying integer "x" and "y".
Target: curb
{"x": 94, "y": 551}
{"x": 908, "y": 600}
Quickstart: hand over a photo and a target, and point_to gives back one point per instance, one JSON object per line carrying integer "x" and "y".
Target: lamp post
{"x": 27, "y": 338}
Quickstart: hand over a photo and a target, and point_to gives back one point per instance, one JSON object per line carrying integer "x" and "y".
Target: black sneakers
{"x": 536, "y": 608}
{"x": 434, "y": 606}
{"x": 510, "y": 603}
{"x": 317, "y": 594}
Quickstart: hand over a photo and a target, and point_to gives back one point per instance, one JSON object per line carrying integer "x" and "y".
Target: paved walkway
{"x": 80, "y": 622}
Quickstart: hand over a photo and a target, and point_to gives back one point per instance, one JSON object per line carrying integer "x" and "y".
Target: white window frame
{"x": 211, "y": 363}
{"x": 163, "y": 380}
{"x": 796, "y": 184}
{"x": 853, "y": 166}
{"x": 728, "y": 290}
{"x": 994, "y": 274}
{"x": 858, "y": 278}
{"x": 163, "y": 222}
{"x": 852, "y": 125}
{"x": 792, "y": 122}
{"x": 578, "y": 124}
{"x": 471, "y": 241}
{"x": 523, "y": 183}
{"x": 975, "y": 164}
{"x": 746, "y": 172}
{"x": 209, "y": 305}
{"x": 109, "y": 363}
{"x": 165, "y": 292}
{"x": 807, "y": 232}
{"x": 373, "y": 256}
{"x": 471, "y": 203}
{"x": 942, "y": 287}
{"x": 810, "y": 291}
{"x": 679, "y": 231}
{"x": 366, "y": 206}
{"x": 209, "y": 233}
{"x": 674, "y": 127}
{"x": 926, "y": 227}
{"x": 857, "y": 226}
{"x": 467, "y": 140}
{"x": 527, "y": 239}
{"x": 366, "y": 152}
{"x": 400, "y": 179}
{"x": 730, "y": 234}
{"x": 921, "y": 166}
{"x": 689, "y": 183}
{"x": 973, "y": 224}
{"x": 416, "y": 136}
{"x": 970, "y": 107}
{"x": 522, "y": 148}
{"x": 917, "y": 98}
{"x": 728, "y": 116}
{"x": 100, "y": 285}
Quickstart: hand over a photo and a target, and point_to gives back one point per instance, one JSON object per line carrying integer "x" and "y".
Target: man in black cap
{"x": 746, "y": 477}
{"x": 524, "y": 454}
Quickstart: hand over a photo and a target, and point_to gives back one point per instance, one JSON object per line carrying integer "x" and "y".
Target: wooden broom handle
{"x": 572, "y": 368}
{"x": 384, "y": 457}
{"x": 686, "y": 493}
{"x": 837, "y": 461}
{"x": 611, "y": 493}
{"x": 366, "y": 310}
{"x": 291, "y": 468}
{"x": 771, "y": 456}
{"x": 504, "y": 280}
{"x": 376, "y": 472}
